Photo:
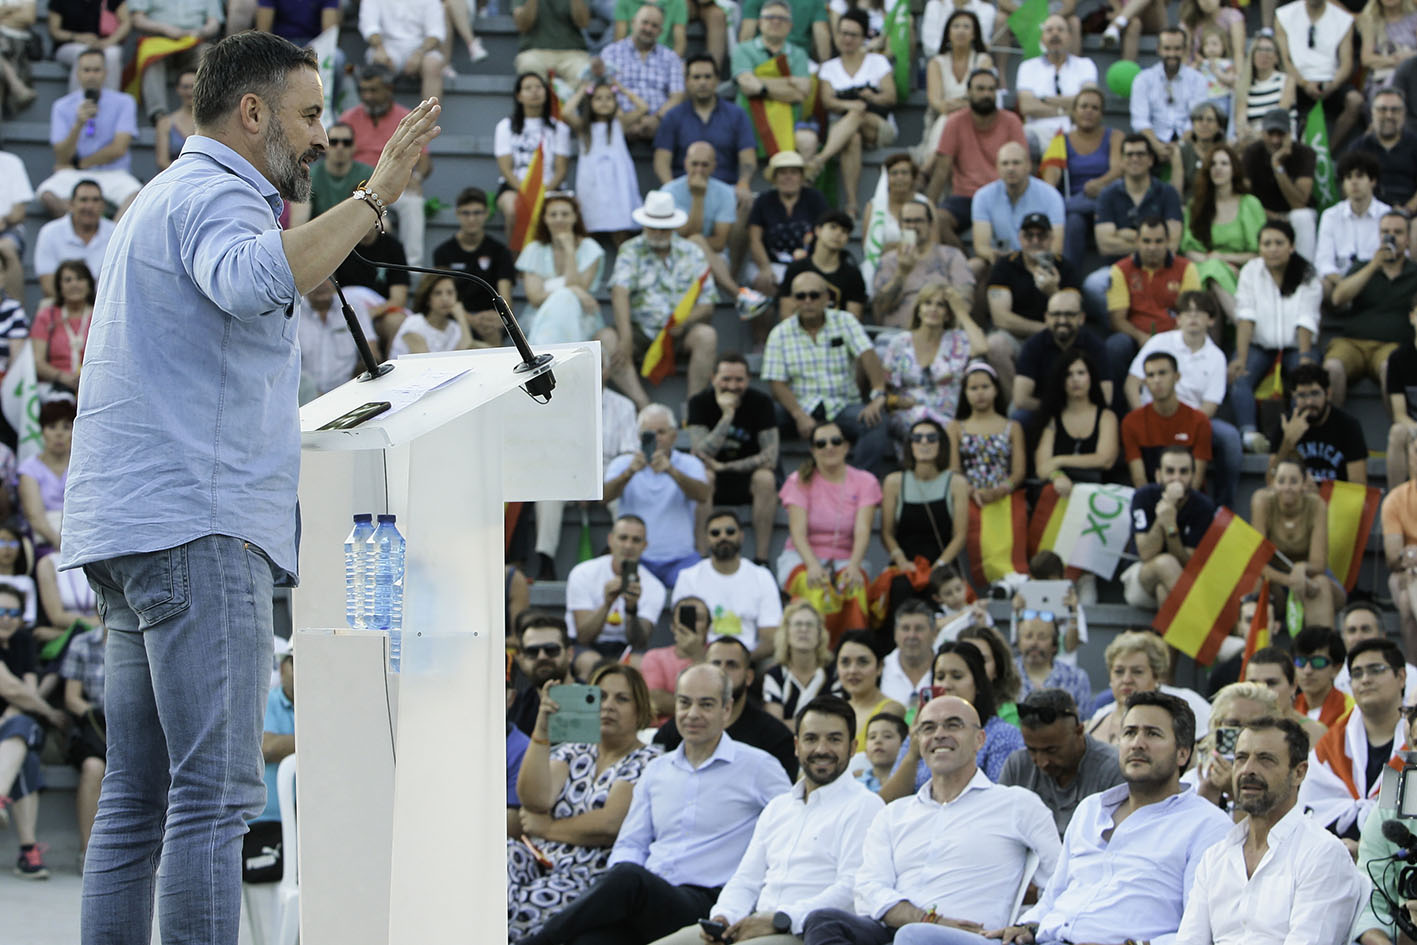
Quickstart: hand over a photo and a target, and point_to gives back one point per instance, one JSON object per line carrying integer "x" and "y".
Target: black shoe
{"x": 30, "y": 865}
{"x": 545, "y": 567}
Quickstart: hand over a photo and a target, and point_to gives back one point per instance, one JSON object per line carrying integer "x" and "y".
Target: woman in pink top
{"x": 60, "y": 331}
{"x": 831, "y": 509}
{"x": 662, "y": 665}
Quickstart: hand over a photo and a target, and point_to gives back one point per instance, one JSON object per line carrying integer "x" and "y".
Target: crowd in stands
{"x": 838, "y": 743}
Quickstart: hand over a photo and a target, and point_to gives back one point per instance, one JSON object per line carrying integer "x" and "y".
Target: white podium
{"x": 413, "y": 853}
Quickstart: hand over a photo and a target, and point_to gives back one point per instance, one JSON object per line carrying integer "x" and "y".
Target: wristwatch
{"x": 781, "y": 923}
{"x": 876, "y": 393}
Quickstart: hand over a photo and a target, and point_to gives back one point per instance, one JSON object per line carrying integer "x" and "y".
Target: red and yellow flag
{"x": 1202, "y": 607}
{"x": 150, "y": 50}
{"x": 1352, "y": 508}
{"x": 530, "y": 197}
{"x": 840, "y": 612}
{"x": 1047, "y": 518}
{"x": 553, "y": 101}
{"x": 1271, "y": 386}
{"x": 1257, "y": 637}
{"x": 773, "y": 121}
{"x": 997, "y": 542}
{"x": 1055, "y": 155}
{"x": 659, "y": 359}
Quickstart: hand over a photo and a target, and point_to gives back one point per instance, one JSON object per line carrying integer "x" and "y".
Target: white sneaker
{"x": 1255, "y": 442}
{"x": 1112, "y": 35}
{"x": 751, "y": 303}
{"x": 476, "y": 50}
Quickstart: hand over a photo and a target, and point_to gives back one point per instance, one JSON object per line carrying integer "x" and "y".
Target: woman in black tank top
{"x": 1079, "y": 442}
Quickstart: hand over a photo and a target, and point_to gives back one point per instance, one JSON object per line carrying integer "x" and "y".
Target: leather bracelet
{"x": 375, "y": 202}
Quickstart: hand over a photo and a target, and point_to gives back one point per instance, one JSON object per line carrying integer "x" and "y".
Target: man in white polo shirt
{"x": 612, "y": 602}
{"x": 742, "y": 597}
{"x": 82, "y": 233}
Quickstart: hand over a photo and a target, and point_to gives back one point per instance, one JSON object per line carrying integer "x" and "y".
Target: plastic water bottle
{"x": 387, "y": 614}
{"x": 355, "y": 556}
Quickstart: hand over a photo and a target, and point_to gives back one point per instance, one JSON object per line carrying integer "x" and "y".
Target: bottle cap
{"x": 387, "y": 518}
{"x": 364, "y": 517}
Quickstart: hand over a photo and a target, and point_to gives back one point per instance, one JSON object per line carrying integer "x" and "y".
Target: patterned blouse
{"x": 934, "y": 387}
{"x": 986, "y": 458}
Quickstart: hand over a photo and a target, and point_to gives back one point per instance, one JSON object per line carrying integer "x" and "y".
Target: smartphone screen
{"x": 629, "y": 570}
{"x": 649, "y": 443}
{"x": 578, "y": 718}
{"x": 688, "y": 616}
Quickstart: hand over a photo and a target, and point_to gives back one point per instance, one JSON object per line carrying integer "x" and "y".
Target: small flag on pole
{"x": 530, "y": 196}
{"x": 1316, "y": 136}
{"x": 659, "y": 359}
{"x": 1352, "y": 509}
{"x": 1257, "y": 638}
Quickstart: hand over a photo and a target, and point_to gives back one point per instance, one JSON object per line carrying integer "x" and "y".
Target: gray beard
{"x": 291, "y": 179}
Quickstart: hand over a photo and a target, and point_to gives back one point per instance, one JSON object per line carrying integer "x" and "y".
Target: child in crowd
{"x": 953, "y": 612}
{"x": 885, "y": 733}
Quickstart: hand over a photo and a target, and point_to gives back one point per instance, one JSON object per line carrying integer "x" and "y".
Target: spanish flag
{"x": 1257, "y": 637}
{"x": 1271, "y": 386}
{"x": 1047, "y": 518}
{"x": 659, "y": 359}
{"x": 553, "y": 101}
{"x": 530, "y": 197}
{"x": 840, "y": 612}
{"x": 1352, "y": 508}
{"x": 150, "y": 50}
{"x": 1202, "y": 607}
{"x": 773, "y": 121}
{"x": 997, "y": 541}
{"x": 1055, "y": 155}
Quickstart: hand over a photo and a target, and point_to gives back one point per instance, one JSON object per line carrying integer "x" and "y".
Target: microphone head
{"x": 1396, "y": 832}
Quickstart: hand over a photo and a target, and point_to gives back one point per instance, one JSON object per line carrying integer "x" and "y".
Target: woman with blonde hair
{"x": 1138, "y": 661}
{"x": 802, "y": 661}
{"x": 1234, "y": 707}
{"x": 925, "y": 366}
{"x": 1259, "y": 88}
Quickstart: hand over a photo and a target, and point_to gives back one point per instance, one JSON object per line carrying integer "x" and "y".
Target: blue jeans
{"x": 1077, "y": 227}
{"x": 1242, "y": 391}
{"x": 923, "y": 933}
{"x": 1227, "y": 453}
{"x": 29, "y": 731}
{"x": 873, "y": 444}
{"x": 188, "y": 662}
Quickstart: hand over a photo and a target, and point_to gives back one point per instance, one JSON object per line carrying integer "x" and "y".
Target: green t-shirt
{"x": 327, "y": 190}
{"x": 676, "y": 13}
{"x": 553, "y": 29}
{"x": 804, "y": 14}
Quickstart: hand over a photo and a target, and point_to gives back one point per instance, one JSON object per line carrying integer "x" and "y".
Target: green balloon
{"x": 1121, "y": 75}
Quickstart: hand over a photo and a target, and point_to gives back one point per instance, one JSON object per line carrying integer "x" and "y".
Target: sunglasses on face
{"x": 11, "y": 612}
{"x": 829, "y": 441}
{"x": 1043, "y": 714}
{"x": 728, "y": 532}
{"x": 1316, "y": 662}
{"x": 341, "y": 142}
{"x": 804, "y": 296}
{"x": 1047, "y": 615}
{"x": 924, "y": 437}
{"x": 549, "y": 650}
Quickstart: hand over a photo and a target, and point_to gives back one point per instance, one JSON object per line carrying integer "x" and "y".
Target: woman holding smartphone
{"x": 574, "y": 798}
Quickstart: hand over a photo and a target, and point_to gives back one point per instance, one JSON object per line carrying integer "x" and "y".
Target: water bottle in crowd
{"x": 355, "y": 558}
{"x": 387, "y": 610}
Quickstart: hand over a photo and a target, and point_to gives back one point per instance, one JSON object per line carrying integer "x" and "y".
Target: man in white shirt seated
{"x": 806, "y": 847}
{"x": 742, "y": 597}
{"x": 693, "y": 813}
{"x": 1131, "y": 851}
{"x": 1346, "y": 765}
{"x": 1277, "y": 877}
{"x": 1348, "y": 231}
{"x": 947, "y": 862}
{"x": 908, "y": 667}
{"x": 612, "y": 602}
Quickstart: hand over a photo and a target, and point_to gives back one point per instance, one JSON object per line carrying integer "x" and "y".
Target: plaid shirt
{"x": 653, "y": 78}
{"x": 656, "y": 285}
{"x": 821, "y": 370}
{"x": 83, "y": 661}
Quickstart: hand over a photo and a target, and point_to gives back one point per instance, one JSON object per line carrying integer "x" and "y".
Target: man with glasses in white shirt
{"x": 946, "y": 863}
{"x": 806, "y": 847}
{"x": 1346, "y": 765}
{"x": 1277, "y": 876}
{"x": 1130, "y": 853}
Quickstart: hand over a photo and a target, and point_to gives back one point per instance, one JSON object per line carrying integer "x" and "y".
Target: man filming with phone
{"x": 611, "y": 602}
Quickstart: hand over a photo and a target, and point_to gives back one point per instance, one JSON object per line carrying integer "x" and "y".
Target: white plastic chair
{"x": 285, "y": 918}
{"x": 1030, "y": 866}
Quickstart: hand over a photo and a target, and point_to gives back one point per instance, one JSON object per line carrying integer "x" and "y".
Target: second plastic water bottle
{"x": 355, "y": 556}
{"x": 387, "y": 610}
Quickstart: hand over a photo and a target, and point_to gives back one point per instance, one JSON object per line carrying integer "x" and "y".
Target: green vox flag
{"x": 1316, "y": 137}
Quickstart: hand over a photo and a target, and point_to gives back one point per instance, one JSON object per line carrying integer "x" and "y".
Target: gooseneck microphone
{"x": 539, "y": 388}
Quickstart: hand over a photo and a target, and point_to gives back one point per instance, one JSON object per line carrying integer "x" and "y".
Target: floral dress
{"x": 934, "y": 387}
{"x": 534, "y": 893}
{"x": 986, "y": 458}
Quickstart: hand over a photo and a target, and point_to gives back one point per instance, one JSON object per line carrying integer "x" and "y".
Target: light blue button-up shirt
{"x": 188, "y": 422}
{"x": 691, "y": 826}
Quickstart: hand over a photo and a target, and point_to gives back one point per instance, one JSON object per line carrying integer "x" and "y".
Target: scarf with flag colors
{"x": 841, "y": 610}
{"x": 152, "y": 49}
{"x": 775, "y": 122}
{"x": 1352, "y": 508}
{"x": 530, "y": 196}
{"x": 1200, "y": 610}
{"x": 659, "y": 359}
{"x": 997, "y": 541}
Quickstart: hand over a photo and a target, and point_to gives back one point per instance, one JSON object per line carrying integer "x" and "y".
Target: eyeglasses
{"x": 9, "y": 543}
{"x": 1047, "y": 615}
{"x": 1136, "y": 154}
{"x": 11, "y": 612}
{"x": 549, "y": 650}
{"x": 1043, "y": 714}
{"x": 924, "y": 437}
{"x": 341, "y": 142}
{"x": 1312, "y": 34}
{"x": 728, "y": 532}
{"x": 1315, "y": 662}
{"x": 1377, "y": 669}
{"x": 804, "y": 296}
{"x": 829, "y": 441}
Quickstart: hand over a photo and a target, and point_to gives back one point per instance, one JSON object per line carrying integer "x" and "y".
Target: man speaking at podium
{"x": 180, "y": 503}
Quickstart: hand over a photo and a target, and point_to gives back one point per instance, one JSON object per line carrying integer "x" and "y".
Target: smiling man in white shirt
{"x": 806, "y": 847}
{"x": 945, "y": 863}
{"x": 1277, "y": 876}
{"x": 1131, "y": 852}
